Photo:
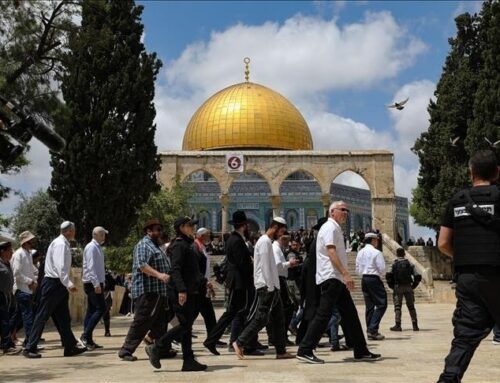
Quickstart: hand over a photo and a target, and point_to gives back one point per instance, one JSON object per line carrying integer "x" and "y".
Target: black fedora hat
{"x": 239, "y": 217}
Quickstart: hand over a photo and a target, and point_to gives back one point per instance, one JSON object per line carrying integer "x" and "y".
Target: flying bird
{"x": 493, "y": 144}
{"x": 454, "y": 141}
{"x": 399, "y": 105}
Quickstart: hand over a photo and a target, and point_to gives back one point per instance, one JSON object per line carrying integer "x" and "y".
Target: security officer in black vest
{"x": 470, "y": 233}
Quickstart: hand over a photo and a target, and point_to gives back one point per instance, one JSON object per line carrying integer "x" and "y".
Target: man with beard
{"x": 184, "y": 297}
{"x": 239, "y": 282}
{"x": 149, "y": 290}
{"x": 267, "y": 285}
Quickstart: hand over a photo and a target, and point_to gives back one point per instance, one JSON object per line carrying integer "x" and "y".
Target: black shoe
{"x": 154, "y": 358}
{"x": 31, "y": 354}
{"x": 220, "y": 344}
{"x": 211, "y": 347}
{"x": 375, "y": 336}
{"x": 74, "y": 351}
{"x": 107, "y": 334}
{"x": 193, "y": 365}
{"x": 367, "y": 357}
{"x": 89, "y": 345}
{"x": 415, "y": 326}
{"x": 253, "y": 352}
{"x": 260, "y": 346}
{"x": 309, "y": 358}
{"x": 128, "y": 357}
{"x": 396, "y": 327}
{"x": 96, "y": 346}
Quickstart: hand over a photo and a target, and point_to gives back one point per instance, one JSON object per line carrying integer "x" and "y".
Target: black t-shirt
{"x": 447, "y": 217}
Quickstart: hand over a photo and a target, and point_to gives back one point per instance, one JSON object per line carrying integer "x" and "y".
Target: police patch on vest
{"x": 461, "y": 211}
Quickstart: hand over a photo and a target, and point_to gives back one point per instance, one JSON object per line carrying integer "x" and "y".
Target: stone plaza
{"x": 406, "y": 357}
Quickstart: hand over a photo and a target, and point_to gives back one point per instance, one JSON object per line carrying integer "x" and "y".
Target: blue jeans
{"x": 25, "y": 307}
{"x": 96, "y": 307}
{"x": 333, "y": 325}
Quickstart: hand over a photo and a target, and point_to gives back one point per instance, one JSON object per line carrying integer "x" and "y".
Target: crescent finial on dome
{"x": 246, "y": 60}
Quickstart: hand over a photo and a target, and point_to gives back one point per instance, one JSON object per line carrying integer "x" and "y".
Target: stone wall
{"x": 430, "y": 256}
{"x": 78, "y": 300}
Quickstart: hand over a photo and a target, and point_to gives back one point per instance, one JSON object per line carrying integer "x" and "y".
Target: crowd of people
{"x": 292, "y": 284}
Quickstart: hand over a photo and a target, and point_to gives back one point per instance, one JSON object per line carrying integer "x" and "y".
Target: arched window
{"x": 204, "y": 219}
{"x": 292, "y": 219}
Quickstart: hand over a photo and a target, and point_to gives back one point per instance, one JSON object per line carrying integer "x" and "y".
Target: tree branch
{"x": 42, "y": 48}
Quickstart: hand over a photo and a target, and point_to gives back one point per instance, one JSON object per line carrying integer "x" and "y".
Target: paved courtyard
{"x": 407, "y": 357}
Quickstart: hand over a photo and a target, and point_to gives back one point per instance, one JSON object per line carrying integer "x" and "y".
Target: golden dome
{"x": 247, "y": 116}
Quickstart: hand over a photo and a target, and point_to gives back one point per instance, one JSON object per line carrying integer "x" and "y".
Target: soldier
{"x": 403, "y": 279}
{"x": 470, "y": 234}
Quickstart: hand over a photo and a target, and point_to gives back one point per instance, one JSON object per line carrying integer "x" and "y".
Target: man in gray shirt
{"x": 93, "y": 279}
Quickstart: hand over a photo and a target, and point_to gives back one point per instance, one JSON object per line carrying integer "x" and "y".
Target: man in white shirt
{"x": 335, "y": 284}
{"x": 24, "y": 279}
{"x": 56, "y": 286}
{"x": 268, "y": 302}
{"x": 93, "y": 278}
{"x": 370, "y": 264}
{"x": 283, "y": 265}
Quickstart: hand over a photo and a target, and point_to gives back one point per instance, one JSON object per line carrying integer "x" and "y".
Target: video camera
{"x": 19, "y": 124}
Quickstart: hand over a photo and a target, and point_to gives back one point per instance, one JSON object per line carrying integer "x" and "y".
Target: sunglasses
{"x": 342, "y": 209}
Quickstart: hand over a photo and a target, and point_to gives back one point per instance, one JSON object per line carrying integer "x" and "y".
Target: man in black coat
{"x": 183, "y": 296}
{"x": 239, "y": 282}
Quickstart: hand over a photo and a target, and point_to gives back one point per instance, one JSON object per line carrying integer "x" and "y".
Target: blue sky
{"x": 340, "y": 63}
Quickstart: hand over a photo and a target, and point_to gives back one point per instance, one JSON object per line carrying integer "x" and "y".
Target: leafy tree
{"x": 443, "y": 165}
{"x": 467, "y": 106}
{"x": 38, "y": 214}
{"x": 486, "y": 122}
{"x": 166, "y": 205}
{"x": 32, "y": 40}
{"x": 108, "y": 168}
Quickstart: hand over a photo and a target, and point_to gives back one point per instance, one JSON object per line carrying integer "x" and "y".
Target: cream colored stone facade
{"x": 374, "y": 166}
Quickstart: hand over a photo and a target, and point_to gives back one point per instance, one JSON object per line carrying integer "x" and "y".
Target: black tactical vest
{"x": 476, "y": 243}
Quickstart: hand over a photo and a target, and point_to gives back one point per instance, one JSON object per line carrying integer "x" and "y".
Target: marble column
{"x": 325, "y": 200}
{"x": 224, "y": 201}
{"x": 275, "y": 204}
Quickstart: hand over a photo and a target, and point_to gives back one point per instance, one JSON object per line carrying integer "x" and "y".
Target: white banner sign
{"x": 234, "y": 163}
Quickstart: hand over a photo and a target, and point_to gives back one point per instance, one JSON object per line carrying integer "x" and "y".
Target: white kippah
{"x": 201, "y": 231}
{"x": 371, "y": 235}
{"x": 66, "y": 224}
{"x": 279, "y": 220}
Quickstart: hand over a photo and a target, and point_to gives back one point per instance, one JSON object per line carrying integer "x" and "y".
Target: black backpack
{"x": 220, "y": 271}
{"x": 403, "y": 272}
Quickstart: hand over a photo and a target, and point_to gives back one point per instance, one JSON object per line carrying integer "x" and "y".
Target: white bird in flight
{"x": 399, "y": 105}
{"x": 493, "y": 144}
{"x": 454, "y": 141}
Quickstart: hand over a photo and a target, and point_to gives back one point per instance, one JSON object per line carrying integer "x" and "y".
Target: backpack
{"x": 403, "y": 272}
{"x": 220, "y": 271}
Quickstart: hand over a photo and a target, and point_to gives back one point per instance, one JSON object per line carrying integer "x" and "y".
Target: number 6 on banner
{"x": 234, "y": 163}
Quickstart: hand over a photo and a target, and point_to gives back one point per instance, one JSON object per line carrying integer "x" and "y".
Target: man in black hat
{"x": 149, "y": 290}
{"x": 184, "y": 297}
{"x": 239, "y": 282}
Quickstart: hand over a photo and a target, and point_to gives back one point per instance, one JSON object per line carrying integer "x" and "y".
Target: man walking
{"x": 239, "y": 282}
{"x": 370, "y": 264}
{"x": 184, "y": 297}
{"x": 149, "y": 290}
{"x": 335, "y": 283}
{"x": 25, "y": 281}
{"x": 54, "y": 300}
{"x": 7, "y": 300}
{"x": 470, "y": 234}
{"x": 403, "y": 279}
{"x": 206, "y": 309}
{"x": 267, "y": 285}
{"x": 283, "y": 268}
{"x": 94, "y": 277}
